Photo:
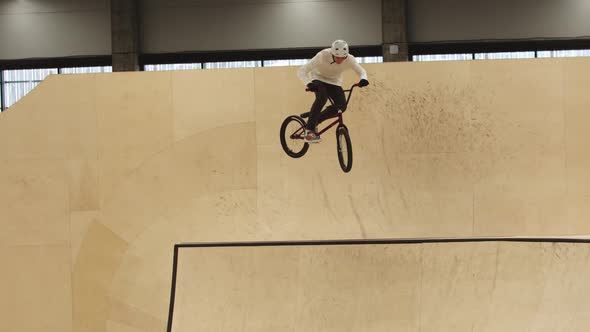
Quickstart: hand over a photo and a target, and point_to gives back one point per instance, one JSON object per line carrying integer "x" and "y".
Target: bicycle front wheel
{"x": 344, "y": 146}
{"x": 292, "y": 133}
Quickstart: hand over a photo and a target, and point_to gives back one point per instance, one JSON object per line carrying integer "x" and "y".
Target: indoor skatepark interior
{"x": 102, "y": 174}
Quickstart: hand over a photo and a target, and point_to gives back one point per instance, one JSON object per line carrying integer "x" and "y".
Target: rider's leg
{"x": 329, "y": 112}
{"x": 337, "y": 94}
{"x": 321, "y": 97}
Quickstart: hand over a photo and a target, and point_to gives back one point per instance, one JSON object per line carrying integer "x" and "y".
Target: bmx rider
{"x": 323, "y": 76}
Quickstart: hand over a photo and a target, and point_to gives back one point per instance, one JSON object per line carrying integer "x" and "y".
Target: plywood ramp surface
{"x": 102, "y": 173}
{"x": 471, "y": 287}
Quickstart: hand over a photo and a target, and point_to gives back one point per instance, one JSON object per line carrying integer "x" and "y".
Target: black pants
{"x": 321, "y": 98}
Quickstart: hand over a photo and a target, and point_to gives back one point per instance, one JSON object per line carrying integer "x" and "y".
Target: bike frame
{"x": 297, "y": 134}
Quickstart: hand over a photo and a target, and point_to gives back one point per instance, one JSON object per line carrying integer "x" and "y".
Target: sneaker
{"x": 311, "y": 137}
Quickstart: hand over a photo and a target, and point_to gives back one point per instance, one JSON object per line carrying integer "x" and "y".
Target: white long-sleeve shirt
{"x": 323, "y": 68}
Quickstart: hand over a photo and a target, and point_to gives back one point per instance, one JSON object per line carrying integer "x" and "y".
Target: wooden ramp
{"x": 374, "y": 286}
{"x": 101, "y": 174}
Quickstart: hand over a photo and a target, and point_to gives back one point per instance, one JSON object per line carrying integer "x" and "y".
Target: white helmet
{"x": 339, "y": 48}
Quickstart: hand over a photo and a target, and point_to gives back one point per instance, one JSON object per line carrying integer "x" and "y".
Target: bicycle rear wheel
{"x": 292, "y": 133}
{"x": 344, "y": 147}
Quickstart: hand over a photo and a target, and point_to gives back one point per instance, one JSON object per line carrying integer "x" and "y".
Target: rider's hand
{"x": 312, "y": 86}
{"x": 363, "y": 83}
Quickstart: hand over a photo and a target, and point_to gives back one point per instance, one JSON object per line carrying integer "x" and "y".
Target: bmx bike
{"x": 293, "y": 131}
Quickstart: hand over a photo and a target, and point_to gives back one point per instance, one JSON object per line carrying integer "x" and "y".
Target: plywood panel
{"x": 208, "y": 99}
{"x": 180, "y": 174}
{"x": 135, "y": 122}
{"x": 36, "y": 288}
{"x": 83, "y": 182}
{"x": 520, "y": 178}
{"x": 577, "y": 115}
{"x": 80, "y": 223}
{"x": 34, "y": 202}
{"x": 98, "y": 258}
{"x": 50, "y": 123}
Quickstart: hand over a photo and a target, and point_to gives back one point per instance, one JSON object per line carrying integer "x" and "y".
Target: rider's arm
{"x": 303, "y": 71}
{"x": 358, "y": 69}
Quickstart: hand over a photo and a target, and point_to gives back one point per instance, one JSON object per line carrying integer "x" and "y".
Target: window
{"x": 278, "y": 63}
{"x": 370, "y": 59}
{"x": 442, "y": 57}
{"x": 233, "y": 64}
{"x": 173, "y": 66}
{"x": 505, "y": 55}
{"x": 563, "y": 54}
{"x": 85, "y": 70}
{"x": 301, "y": 62}
{"x": 17, "y": 83}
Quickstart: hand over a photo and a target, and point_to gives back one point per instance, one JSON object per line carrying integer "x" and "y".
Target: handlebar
{"x": 351, "y": 87}
{"x": 349, "y": 93}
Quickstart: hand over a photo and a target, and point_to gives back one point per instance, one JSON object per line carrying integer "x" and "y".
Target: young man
{"x": 323, "y": 75}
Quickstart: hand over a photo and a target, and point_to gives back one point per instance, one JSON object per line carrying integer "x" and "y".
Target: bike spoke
{"x": 296, "y": 139}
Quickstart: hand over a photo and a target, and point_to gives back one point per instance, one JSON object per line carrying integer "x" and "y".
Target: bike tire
{"x": 293, "y": 153}
{"x": 344, "y": 148}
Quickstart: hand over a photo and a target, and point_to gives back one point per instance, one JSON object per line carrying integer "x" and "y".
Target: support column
{"x": 2, "y": 99}
{"x": 125, "y": 34}
{"x": 395, "y": 42}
